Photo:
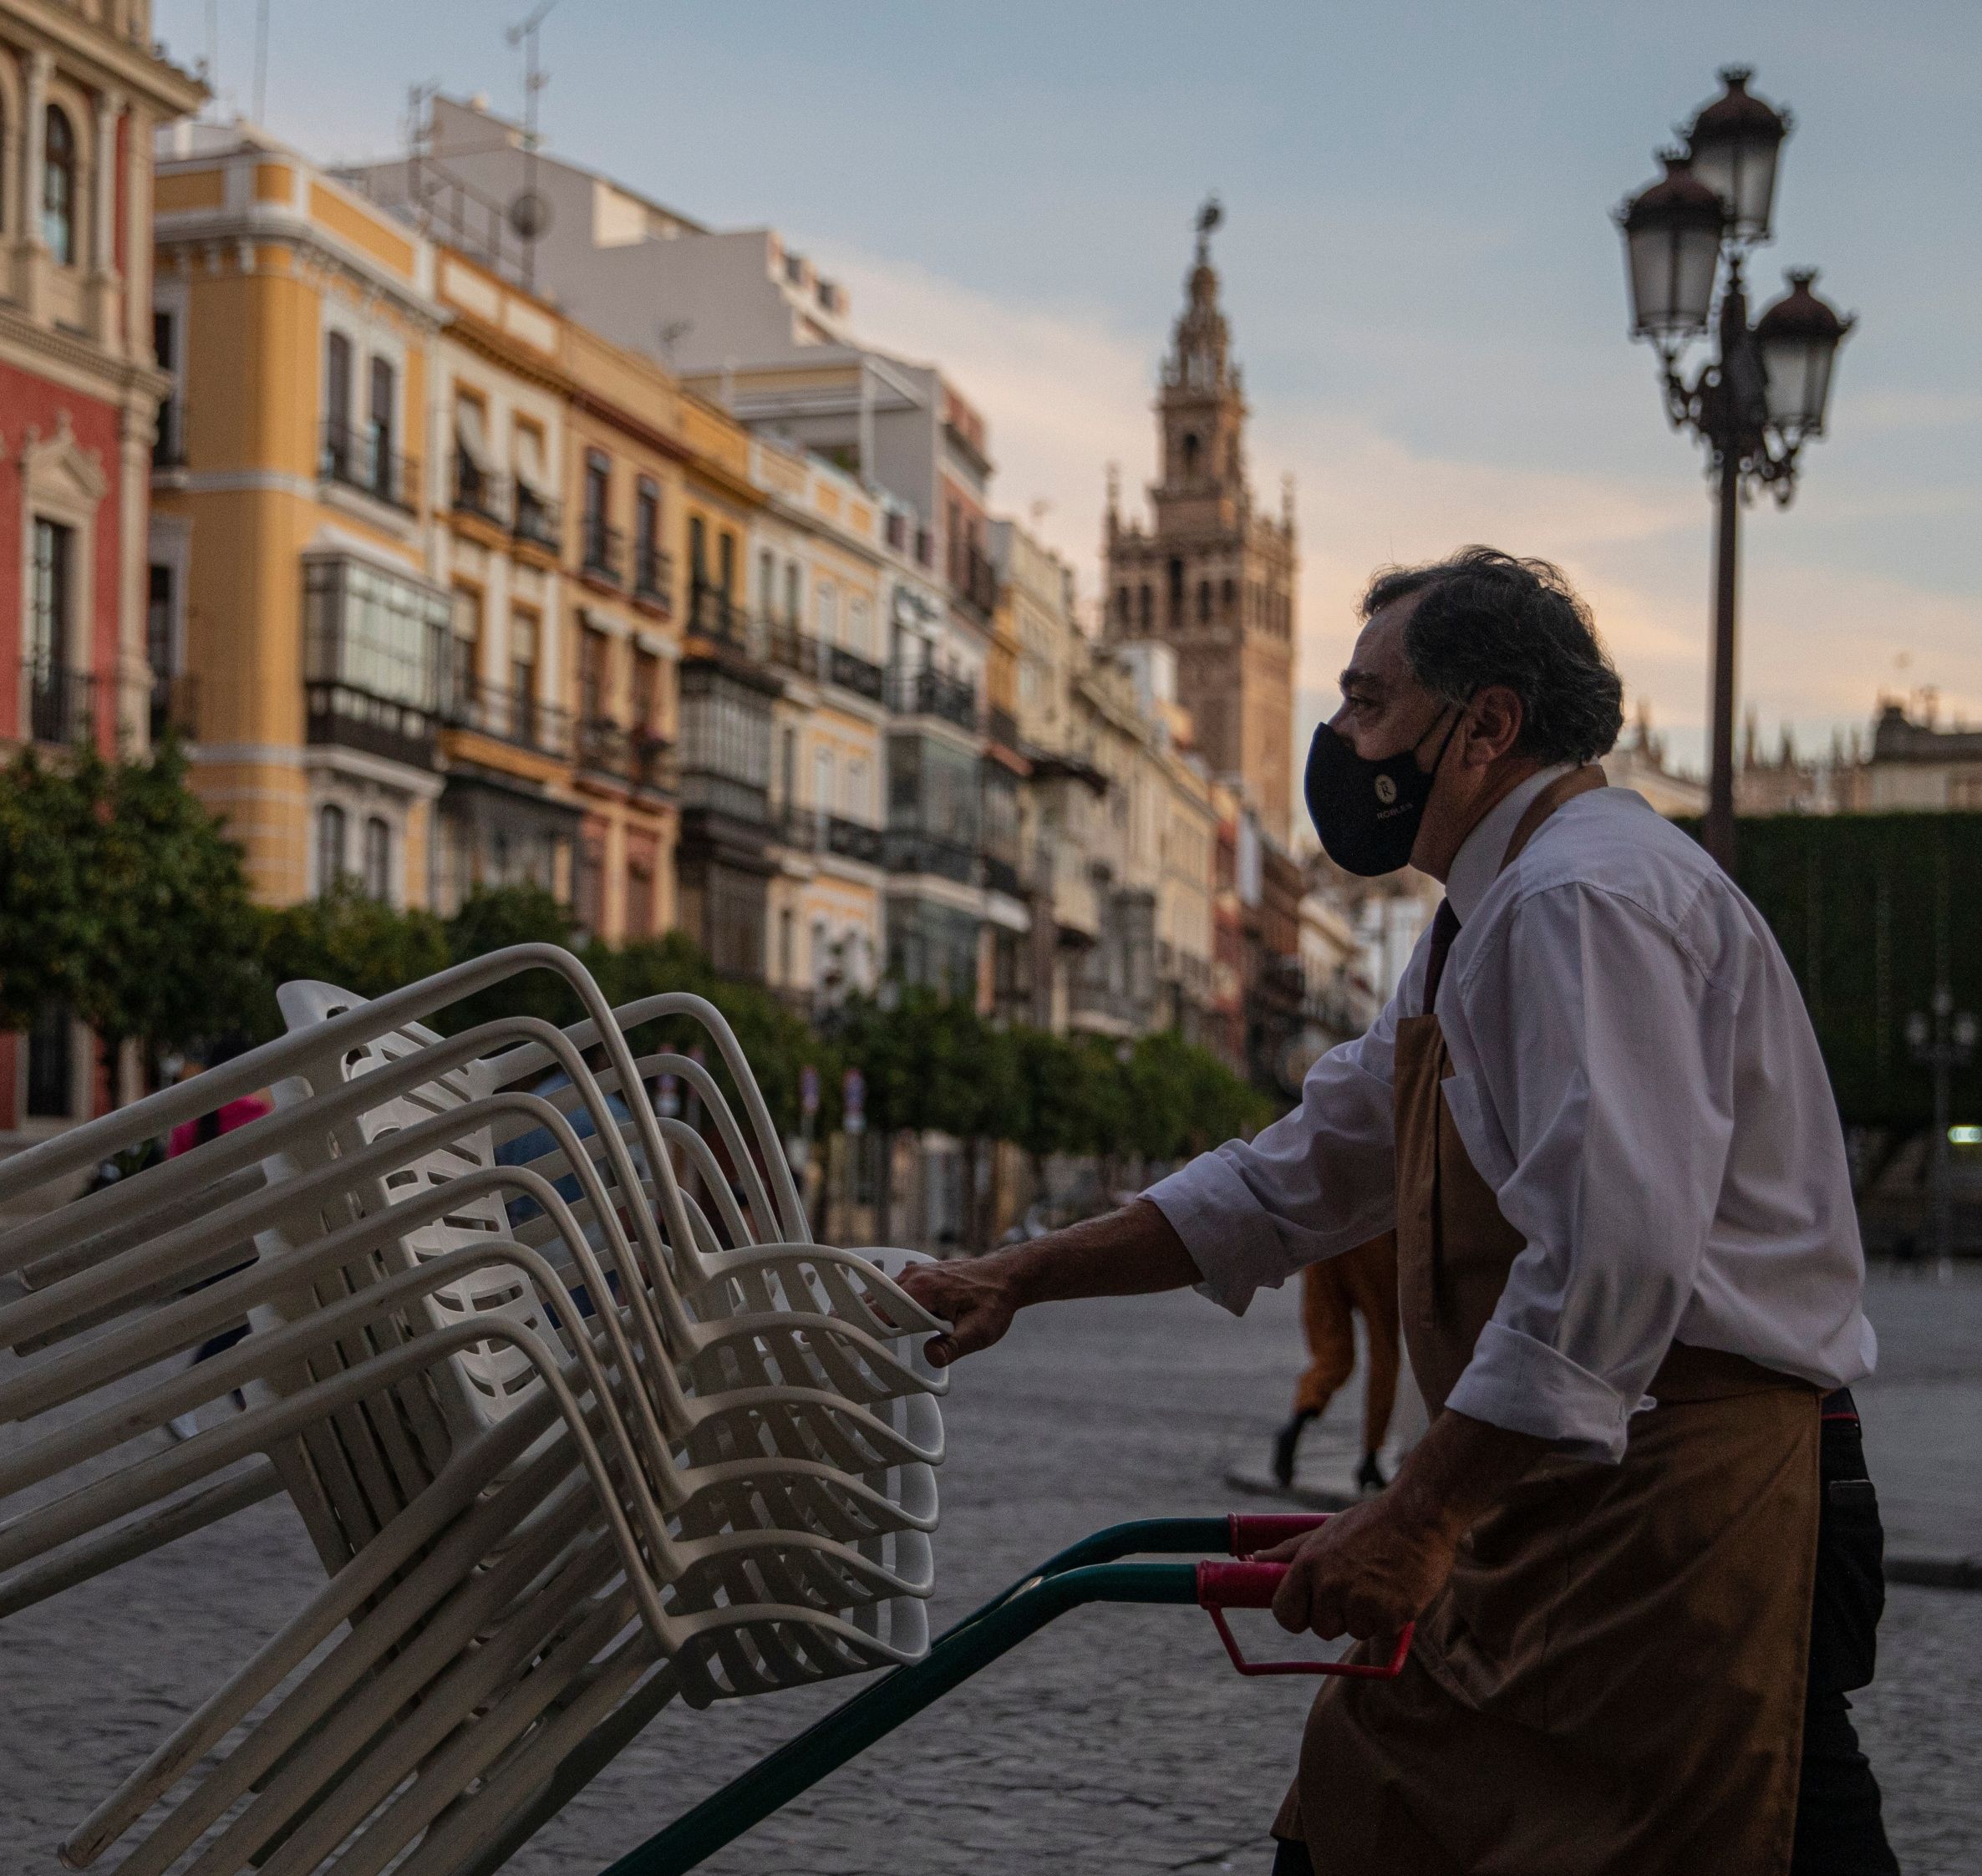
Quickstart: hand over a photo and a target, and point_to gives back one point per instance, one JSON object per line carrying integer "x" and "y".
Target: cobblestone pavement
{"x": 1119, "y": 1739}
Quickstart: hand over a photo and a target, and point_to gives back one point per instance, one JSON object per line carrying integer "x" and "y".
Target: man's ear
{"x": 1493, "y": 725}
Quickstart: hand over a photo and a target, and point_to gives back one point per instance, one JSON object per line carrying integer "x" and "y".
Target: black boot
{"x": 1284, "y": 1442}
{"x": 1369, "y": 1479}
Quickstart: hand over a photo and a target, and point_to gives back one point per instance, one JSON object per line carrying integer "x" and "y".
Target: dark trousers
{"x": 1839, "y": 1830}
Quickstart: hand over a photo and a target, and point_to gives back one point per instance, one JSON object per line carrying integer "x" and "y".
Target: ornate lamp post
{"x": 1763, "y": 393}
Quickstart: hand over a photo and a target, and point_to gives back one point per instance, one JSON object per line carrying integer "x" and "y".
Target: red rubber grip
{"x": 1252, "y": 1531}
{"x": 1247, "y": 1585}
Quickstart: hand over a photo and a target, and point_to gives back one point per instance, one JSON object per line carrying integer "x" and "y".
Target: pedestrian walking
{"x": 1360, "y": 1282}
{"x": 1637, "y": 1539}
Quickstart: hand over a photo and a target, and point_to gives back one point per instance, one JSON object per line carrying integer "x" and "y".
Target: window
{"x": 598, "y": 495}
{"x": 767, "y": 581}
{"x": 330, "y": 846}
{"x": 641, "y": 919}
{"x": 794, "y": 592}
{"x": 378, "y": 860}
{"x": 475, "y": 462}
{"x": 726, "y": 563}
{"x": 465, "y": 671}
{"x": 1145, "y": 608}
{"x": 859, "y": 805}
{"x": 1122, "y": 608}
{"x": 647, "y": 686}
{"x": 59, "y": 187}
{"x": 787, "y": 926}
{"x": 522, "y": 657}
{"x": 594, "y": 649}
{"x": 699, "y": 550}
{"x": 788, "y": 767}
{"x": 1225, "y": 598}
{"x": 160, "y": 652}
{"x": 337, "y": 406}
{"x": 1189, "y": 455}
{"x": 381, "y": 413}
{"x": 48, "y": 620}
{"x": 860, "y": 631}
{"x": 1204, "y": 602}
{"x": 369, "y": 630}
{"x": 822, "y": 780}
{"x": 51, "y": 1066}
{"x": 822, "y": 954}
{"x": 167, "y": 448}
{"x": 1177, "y": 591}
{"x": 646, "y": 538}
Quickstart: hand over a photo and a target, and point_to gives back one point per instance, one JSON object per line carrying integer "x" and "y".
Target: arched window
{"x": 1122, "y": 608}
{"x": 330, "y": 846}
{"x": 1204, "y": 602}
{"x": 59, "y": 187}
{"x": 378, "y": 860}
{"x": 1189, "y": 455}
{"x": 1226, "y": 597}
{"x": 1148, "y": 604}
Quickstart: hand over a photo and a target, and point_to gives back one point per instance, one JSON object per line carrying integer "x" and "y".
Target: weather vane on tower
{"x": 1208, "y": 217}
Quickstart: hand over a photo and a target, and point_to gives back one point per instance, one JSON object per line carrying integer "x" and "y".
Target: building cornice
{"x": 109, "y": 62}
{"x": 91, "y": 370}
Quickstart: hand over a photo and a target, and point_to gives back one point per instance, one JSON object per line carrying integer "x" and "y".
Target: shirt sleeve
{"x": 1318, "y": 1181}
{"x": 1592, "y": 1089}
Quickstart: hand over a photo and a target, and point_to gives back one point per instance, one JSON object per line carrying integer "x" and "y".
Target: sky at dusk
{"x": 1426, "y": 293}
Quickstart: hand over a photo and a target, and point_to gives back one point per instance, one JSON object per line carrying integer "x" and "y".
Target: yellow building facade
{"x": 293, "y": 516}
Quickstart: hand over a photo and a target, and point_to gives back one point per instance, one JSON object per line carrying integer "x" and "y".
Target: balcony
{"x": 348, "y": 716}
{"x": 933, "y": 694}
{"x": 850, "y": 671}
{"x": 174, "y": 706}
{"x": 59, "y": 703}
{"x": 908, "y": 851}
{"x": 512, "y": 716}
{"x": 479, "y": 492}
{"x": 791, "y": 649}
{"x": 1002, "y": 727}
{"x": 854, "y": 839}
{"x": 706, "y": 792}
{"x": 803, "y": 829}
{"x": 974, "y": 580}
{"x": 539, "y": 521}
{"x": 713, "y": 614}
{"x": 602, "y": 552}
{"x": 653, "y": 578}
{"x": 1001, "y": 875}
{"x": 365, "y": 461}
{"x": 607, "y": 747}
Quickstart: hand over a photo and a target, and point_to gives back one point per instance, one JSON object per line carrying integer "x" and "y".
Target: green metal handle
{"x": 898, "y": 1695}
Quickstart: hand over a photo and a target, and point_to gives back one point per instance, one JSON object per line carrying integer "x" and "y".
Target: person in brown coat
{"x": 1360, "y": 1282}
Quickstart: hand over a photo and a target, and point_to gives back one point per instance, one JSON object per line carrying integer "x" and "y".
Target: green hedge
{"x": 1858, "y": 903}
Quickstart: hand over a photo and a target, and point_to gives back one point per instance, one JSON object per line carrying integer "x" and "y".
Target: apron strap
{"x": 1563, "y": 788}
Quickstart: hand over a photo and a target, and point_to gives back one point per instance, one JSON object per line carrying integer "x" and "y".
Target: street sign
{"x": 808, "y": 1090}
{"x": 853, "y": 1100}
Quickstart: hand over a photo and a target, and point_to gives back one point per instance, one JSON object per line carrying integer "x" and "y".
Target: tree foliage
{"x": 121, "y": 899}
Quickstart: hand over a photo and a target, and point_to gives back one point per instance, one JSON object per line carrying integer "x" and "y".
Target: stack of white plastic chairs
{"x": 573, "y": 1437}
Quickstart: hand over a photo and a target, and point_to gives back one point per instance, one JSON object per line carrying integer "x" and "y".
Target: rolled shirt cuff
{"x": 1229, "y": 1237}
{"x": 1528, "y": 1387}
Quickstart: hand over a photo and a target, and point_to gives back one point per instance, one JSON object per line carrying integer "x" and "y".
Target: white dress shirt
{"x": 1634, "y": 1074}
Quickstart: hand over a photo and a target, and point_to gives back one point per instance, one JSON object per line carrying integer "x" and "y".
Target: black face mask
{"x": 1367, "y": 812}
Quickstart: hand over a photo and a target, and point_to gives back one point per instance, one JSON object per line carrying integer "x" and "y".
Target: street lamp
{"x": 1763, "y": 391}
{"x": 1943, "y": 1042}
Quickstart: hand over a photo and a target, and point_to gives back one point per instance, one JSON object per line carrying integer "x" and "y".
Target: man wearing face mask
{"x": 1638, "y": 1538}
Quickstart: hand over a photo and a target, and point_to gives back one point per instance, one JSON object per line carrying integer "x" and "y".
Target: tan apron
{"x": 1611, "y": 1684}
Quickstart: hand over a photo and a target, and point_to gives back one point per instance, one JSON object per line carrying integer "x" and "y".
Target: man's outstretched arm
{"x": 1127, "y": 1253}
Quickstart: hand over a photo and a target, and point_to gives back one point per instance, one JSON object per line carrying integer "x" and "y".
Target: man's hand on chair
{"x": 977, "y": 1296}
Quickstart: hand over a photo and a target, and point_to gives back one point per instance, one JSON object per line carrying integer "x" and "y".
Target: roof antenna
{"x": 526, "y": 214}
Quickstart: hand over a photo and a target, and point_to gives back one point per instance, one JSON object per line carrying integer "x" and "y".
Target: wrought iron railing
{"x": 713, "y": 614}
{"x": 364, "y": 460}
{"x": 851, "y": 672}
{"x": 539, "y": 521}
{"x": 654, "y": 578}
{"x": 711, "y": 793}
{"x": 601, "y": 552}
{"x": 512, "y": 716}
{"x": 479, "y": 491}
{"x": 59, "y": 705}
{"x": 854, "y": 839}
{"x": 909, "y": 850}
{"x": 933, "y": 694}
{"x": 791, "y": 649}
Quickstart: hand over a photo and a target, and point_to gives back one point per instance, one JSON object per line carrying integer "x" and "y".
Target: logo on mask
{"x": 1386, "y": 790}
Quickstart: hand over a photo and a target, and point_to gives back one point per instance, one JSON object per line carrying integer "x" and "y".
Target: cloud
{"x": 1066, "y": 389}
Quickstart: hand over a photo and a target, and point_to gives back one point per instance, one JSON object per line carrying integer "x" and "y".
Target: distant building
{"x": 1916, "y": 764}
{"x": 1639, "y": 763}
{"x": 1213, "y": 577}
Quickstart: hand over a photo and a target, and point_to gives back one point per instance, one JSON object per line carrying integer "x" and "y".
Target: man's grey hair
{"x": 1485, "y": 618}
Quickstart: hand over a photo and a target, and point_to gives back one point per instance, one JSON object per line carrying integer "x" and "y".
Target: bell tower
{"x": 1209, "y": 577}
